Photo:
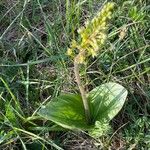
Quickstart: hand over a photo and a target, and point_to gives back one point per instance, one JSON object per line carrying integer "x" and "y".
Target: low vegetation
{"x": 35, "y": 72}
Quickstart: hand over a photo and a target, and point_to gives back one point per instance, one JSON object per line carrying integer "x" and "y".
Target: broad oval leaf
{"x": 66, "y": 111}
{"x": 106, "y": 101}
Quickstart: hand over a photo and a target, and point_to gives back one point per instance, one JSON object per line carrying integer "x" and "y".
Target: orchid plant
{"x": 91, "y": 111}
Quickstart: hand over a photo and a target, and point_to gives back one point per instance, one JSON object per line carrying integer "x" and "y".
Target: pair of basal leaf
{"x": 67, "y": 110}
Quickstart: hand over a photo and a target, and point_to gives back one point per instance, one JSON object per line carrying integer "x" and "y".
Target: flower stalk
{"x": 82, "y": 91}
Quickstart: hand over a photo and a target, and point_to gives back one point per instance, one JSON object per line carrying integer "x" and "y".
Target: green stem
{"x": 82, "y": 91}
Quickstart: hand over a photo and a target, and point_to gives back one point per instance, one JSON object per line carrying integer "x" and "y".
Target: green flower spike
{"x": 93, "y": 35}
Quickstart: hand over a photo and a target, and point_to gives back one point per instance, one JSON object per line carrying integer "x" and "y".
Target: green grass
{"x": 34, "y": 37}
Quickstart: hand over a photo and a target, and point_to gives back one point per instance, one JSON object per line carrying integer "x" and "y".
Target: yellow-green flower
{"x": 69, "y": 52}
